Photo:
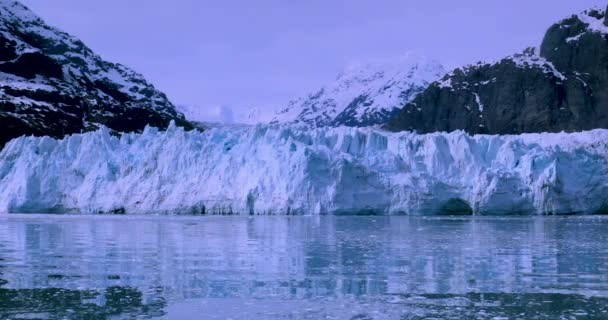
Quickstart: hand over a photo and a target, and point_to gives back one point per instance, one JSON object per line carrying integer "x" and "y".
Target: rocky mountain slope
{"x": 364, "y": 96}
{"x": 562, "y": 87}
{"x": 52, "y": 84}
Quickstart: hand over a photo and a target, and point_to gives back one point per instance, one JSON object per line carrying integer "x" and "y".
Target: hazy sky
{"x": 265, "y": 52}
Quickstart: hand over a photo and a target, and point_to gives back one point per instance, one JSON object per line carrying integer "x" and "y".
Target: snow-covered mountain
{"x": 289, "y": 169}
{"x": 560, "y": 87}
{"x": 52, "y": 84}
{"x": 364, "y": 96}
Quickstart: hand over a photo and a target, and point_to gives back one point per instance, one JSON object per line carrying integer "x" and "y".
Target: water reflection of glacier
{"x": 305, "y": 257}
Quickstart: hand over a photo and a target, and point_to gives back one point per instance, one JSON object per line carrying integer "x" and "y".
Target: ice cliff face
{"x": 364, "y": 96}
{"x": 52, "y": 84}
{"x": 281, "y": 169}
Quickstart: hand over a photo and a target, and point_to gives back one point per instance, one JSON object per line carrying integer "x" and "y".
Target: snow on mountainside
{"x": 292, "y": 169}
{"x": 365, "y": 96}
{"x": 560, "y": 87}
{"x": 52, "y": 84}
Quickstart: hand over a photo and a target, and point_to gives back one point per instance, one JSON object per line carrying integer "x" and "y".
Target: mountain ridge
{"x": 559, "y": 87}
{"x": 364, "y": 96}
{"x": 52, "y": 84}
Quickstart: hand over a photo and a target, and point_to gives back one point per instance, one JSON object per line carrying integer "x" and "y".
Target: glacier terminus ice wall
{"x": 289, "y": 169}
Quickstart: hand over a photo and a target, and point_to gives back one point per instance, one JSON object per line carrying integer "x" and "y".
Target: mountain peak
{"x": 596, "y": 20}
{"x": 373, "y": 69}
{"x": 365, "y": 94}
{"x": 52, "y": 84}
{"x": 562, "y": 88}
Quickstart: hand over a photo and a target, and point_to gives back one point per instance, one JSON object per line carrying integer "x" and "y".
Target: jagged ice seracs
{"x": 292, "y": 169}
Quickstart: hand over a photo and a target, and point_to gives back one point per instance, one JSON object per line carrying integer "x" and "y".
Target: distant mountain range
{"x": 225, "y": 115}
{"x": 562, "y": 86}
{"x": 364, "y": 96}
{"x": 52, "y": 84}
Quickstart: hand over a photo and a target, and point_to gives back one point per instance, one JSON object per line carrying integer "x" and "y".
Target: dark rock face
{"x": 562, "y": 88}
{"x": 52, "y": 84}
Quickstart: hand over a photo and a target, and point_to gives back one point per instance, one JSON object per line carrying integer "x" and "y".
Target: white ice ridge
{"x": 287, "y": 169}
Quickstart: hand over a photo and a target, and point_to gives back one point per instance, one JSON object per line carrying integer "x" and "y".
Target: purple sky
{"x": 265, "y": 52}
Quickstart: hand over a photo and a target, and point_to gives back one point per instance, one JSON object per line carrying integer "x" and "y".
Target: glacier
{"x": 292, "y": 169}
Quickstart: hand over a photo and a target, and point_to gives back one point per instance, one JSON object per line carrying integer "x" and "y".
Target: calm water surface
{"x": 102, "y": 267}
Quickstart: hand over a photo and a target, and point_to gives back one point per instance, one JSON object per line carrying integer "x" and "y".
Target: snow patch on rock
{"x": 594, "y": 24}
{"x": 478, "y": 101}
